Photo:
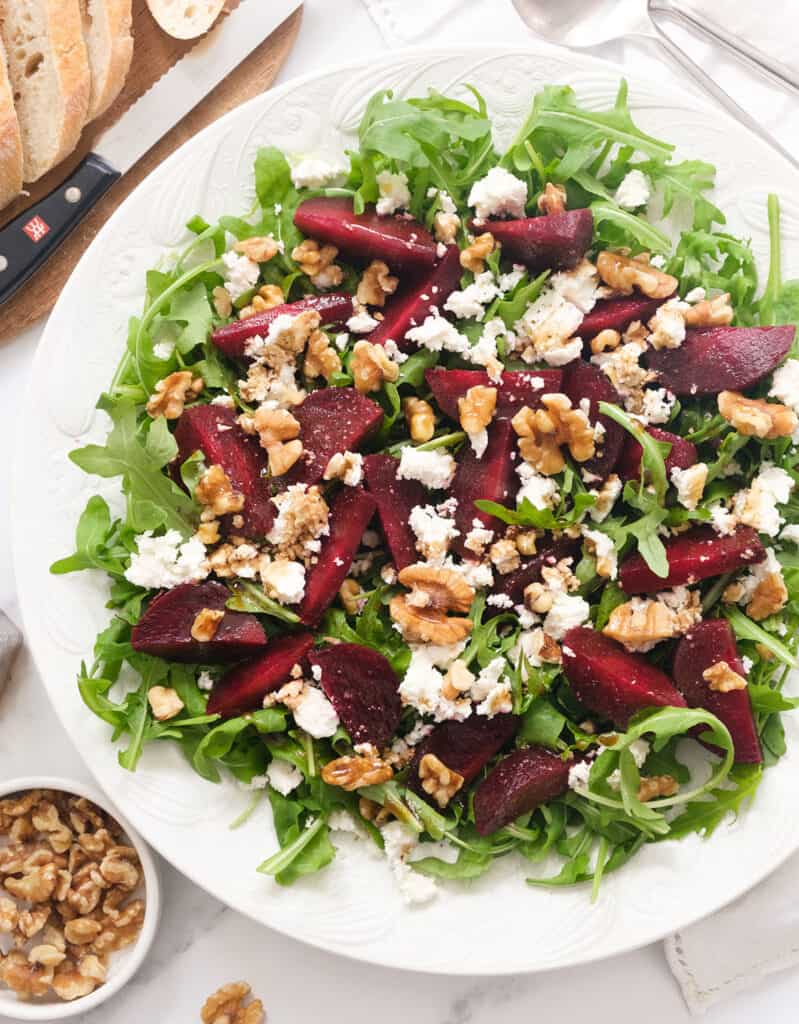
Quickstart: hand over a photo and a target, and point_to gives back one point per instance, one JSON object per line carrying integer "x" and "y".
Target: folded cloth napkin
{"x": 759, "y": 933}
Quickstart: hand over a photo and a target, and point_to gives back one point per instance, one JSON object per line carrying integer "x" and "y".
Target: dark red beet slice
{"x": 519, "y": 783}
{"x": 517, "y": 388}
{"x": 165, "y": 628}
{"x": 362, "y": 687}
{"x": 331, "y": 420}
{"x": 213, "y": 430}
{"x": 695, "y": 555}
{"x": 554, "y": 242}
{"x": 707, "y": 644}
{"x": 402, "y": 242}
{"x": 334, "y": 308}
{"x": 409, "y": 306}
{"x": 465, "y": 747}
{"x": 611, "y": 682}
{"x": 490, "y": 478}
{"x": 681, "y": 456}
{"x": 513, "y": 583}
{"x": 713, "y": 359}
{"x": 618, "y": 314}
{"x": 395, "y": 499}
{"x": 582, "y": 380}
{"x": 349, "y": 516}
{"x": 244, "y": 687}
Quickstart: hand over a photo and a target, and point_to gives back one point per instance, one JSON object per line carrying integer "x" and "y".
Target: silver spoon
{"x": 586, "y": 23}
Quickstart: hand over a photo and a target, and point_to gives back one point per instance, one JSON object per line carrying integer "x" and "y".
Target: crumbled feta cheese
{"x": 205, "y": 681}
{"x": 756, "y": 574}
{"x": 507, "y": 282}
{"x": 488, "y": 678}
{"x": 313, "y": 172}
{"x": 479, "y": 441}
{"x": 785, "y": 384}
{"x": 434, "y": 469}
{"x": 548, "y": 326}
{"x": 361, "y": 323}
{"x": 578, "y": 776}
{"x": 433, "y": 532}
{"x": 394, "y": 194}
{"x": 282, "y": 776}
{"x": 471, "y": 302}
{"x": 635, "y": 190}
{"x": 690, "y": 484}
{"x": 499, "y": 601}
{"x": 541, "y": 491}
{"x": 657, "y": 405}
{"x": 163, "y": 349}
{"x": 722, "y": 520}
{"x": 696, "y": 295}
{"x": 757, "y": 506}
{"x": 341, "y": 341}
{"x": 342, "y": 821}
{"x": 284, "y": 581}
{"x": 315, "y": 714}
{"x": 225, "y": 401}
{"x": 667, "y": 326}
{"x": 160, "y": 563}
{"x": 748, "y": 664}
{"x": 421, "y": 687}
{"x": 566, "y": 612}
{"x": 498, "y": 193}
{"x": 604, "y": 550}
{"x": 640, "y": 752}
{"x": 790, "y": 533}
{"x": 606, "y": 497}
{"x": 478, "y": 538}
{"x": 437, "y": 334}
{"x": 241, "y": 274}
{"x": 393, "y": 352}
{"x": 445, "y": 200}
{"x": 398, "y": 843}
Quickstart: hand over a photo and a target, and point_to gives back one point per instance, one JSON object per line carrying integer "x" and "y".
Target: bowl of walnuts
{"x": 79, "y": 899}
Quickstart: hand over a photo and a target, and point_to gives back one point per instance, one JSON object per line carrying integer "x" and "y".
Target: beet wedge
{"x": 681, "y": 456}
{"x": 513, "y": 584}
{"x": 409, "y": 306}
{"x": 244, "y": 687}
{"x": 698, "y": 554}
{"x": 395, "y": 500}
{"x": 581, "y": 380}
{"x": 706, "y": 645}
{"x": 554, "y": 242}
{"x": 464, "y": 747}
{"x": 212, "y": 429}
{"x": 403, "y": 243}
{"x": 491, "y": 478}
{"x": 362, "y": 687}
{"x": 516, "y": 388}
{"x": 517, "y": 785}
{"x": 713, "y": 359}
{"x": 165, "y": 628}
{"x": 349, "y": 516}
{"x": 334, "y": 308}
{"x": 612, "y": 682}
{"x": 618, "y": 314}
{"x": 331, "y": 420}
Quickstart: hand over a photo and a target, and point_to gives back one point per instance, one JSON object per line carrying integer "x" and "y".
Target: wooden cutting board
{"x": 154, "y": 53}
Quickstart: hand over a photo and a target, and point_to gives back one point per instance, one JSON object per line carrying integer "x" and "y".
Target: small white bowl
{"x": 121, "y": 965}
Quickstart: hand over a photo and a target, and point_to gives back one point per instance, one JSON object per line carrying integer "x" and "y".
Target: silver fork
{"x": 585, "y": 23}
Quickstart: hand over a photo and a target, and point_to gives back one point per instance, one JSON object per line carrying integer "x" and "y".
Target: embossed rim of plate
{"x": 603, "y": 944}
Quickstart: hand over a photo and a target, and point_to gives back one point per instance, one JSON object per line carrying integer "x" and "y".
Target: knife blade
{"x": 31, "y": 238}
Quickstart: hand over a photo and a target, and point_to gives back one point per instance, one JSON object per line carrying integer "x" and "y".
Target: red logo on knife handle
{"x": 36, "y": 228}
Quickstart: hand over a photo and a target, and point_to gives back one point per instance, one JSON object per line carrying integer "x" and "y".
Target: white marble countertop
{"x": 203, "y": 945}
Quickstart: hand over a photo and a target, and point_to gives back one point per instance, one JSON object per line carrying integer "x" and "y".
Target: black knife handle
{"x": 32, "y": 237}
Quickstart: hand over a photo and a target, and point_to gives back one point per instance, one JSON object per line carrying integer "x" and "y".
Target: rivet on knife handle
{"x": 32, "y": 237}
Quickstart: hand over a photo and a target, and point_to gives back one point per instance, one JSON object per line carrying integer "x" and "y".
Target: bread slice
{"x": 49, "y": 71}
{"x": 185, "y": 19}
{"x": 10, "y": 139}
{"x": 107, "y": 31}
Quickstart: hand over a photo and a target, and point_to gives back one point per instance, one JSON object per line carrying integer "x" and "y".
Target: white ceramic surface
{"x": 122, "y": 965}
{"x": 496, "y": 925}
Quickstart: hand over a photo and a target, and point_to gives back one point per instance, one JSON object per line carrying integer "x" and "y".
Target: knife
{"x": 31, "y": 238}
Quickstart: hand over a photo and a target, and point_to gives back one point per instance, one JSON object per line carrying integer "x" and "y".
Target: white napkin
{"x": 759, "y": 933}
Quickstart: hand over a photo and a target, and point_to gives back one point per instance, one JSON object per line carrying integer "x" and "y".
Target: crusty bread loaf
{"x": 185, "y": 19}
{"x": 10, "y": 140}
{"x": 49, "y": 71}
{"x": 107, "y": 31}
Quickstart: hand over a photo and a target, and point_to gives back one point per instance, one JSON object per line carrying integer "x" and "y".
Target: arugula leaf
{"x": 247, "y": 597}
{"x": 542, "y": 723}
{"x": 217, "y": 743}
{"x": 97, "y": 542}
{"x": 305, "y": 849}
{"x": 779, "y": 303}
{"x": 746, "y": 629}
{"x": 512, "y": 308}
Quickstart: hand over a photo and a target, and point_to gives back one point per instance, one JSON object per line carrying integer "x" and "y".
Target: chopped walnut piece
{"x": 476, "y": 408}
{"x": 543, "y": 431}
{"x": 346, "y": 466}
{"x": 82, "y": 930}
{"x": 215, "y": 491}
{"x": 118, "y": 867}
{"x": 445, "y": 227}
{"x": 370, "y": 366}
{"x": 9, "y": 916}
{"x": 605, "y": 341}
{"x": 438, "y": 781}
{"x": 206, "y": 623}
{"x": 285, "y": 343}
{"x": 420, "y": 418}
{"x": 505, "y": 556}
{"x": 755, "y": 417}
{"x": 473, "y": 257}
{"x": 318, "y": 263}
{"x": 259, "y": 249}
{"x": 538, "y": 598}
{"x": 652, "y": 786}
{"x": 283, "y": 456}
{"x": 350, "y": 593}
{"x": 274, "y": 426}
{"x": 623, "y": 273}
{"x": 36, "y": 885}
{"x": 226, "y": 1006}
{"x": 303, "y": 516}
{"x": 352, "y": 772}
{"x": 26, "y": 979}
{"x": 321, "y": 359}
{"x": 69, "y": 984}
{"x": 165, "y": 702}
{"x": 375, "y": 284}
{"x": 458, "y": 680}
{"x": 172, "y": 393}
{"x": 715, "y": 312}
{"x": 640, "y": 623}
{"x": 526, "y": 542}
{"x": 422, "y": 614}
{"x": 46, "y": 955}
{"x": 723, "y": 679}
{"x": 552, "y": 199}
{"x": 769, "y": 596}
{"x": 223, "y": 304}
{"x": 271, "y": 295}
{"x": 31, "y": 922}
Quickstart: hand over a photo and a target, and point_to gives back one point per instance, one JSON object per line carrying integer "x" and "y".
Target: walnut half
{"x": 422, "y": 614}
{"x": 438, "y": 781}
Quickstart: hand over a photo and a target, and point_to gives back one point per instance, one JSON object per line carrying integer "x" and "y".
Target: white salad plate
{"x": 496, "y": 924}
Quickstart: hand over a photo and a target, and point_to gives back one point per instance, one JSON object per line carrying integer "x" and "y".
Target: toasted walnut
{"x": 352, "y": 772}
{"x": 550, "y": 650}
{"x": 346, "y": 466}
{"x": 36, "y": 886}
{"x": 641, "y": 623}
{"x": 543, "y": 431}
{"x": 18, "y": 806}
{"x": 92, "y": 967}
{"x": 458, "y": 680}
{"x": 350, "y": 593}
{"x": 26, "y": 979}
{"x": 82, "y": 930}
{"x": 445, "y": 227}
{"x": 321, "y": 359}
{"x": 303, "y": 516}
{"x": 755, "y": 417}
{"x": 283, "y": 456}
{"x": 552, "y": 199}
{"x": 226, "y": 1006}
{"x": 605, "y": 341}
{"x": 223, "y": 304}
{"x": 206, "y": 623}
{"x": 172, "y": 393}
{"x": 438, "y": 781}
{"x": 372, "y": 811}
{"x": 267, "y": 297}
{"x": 473, "y": 257}
{"x": 285, "y": 343}
{"x": 32, "y": 921}
{"x": 45, "y": 818}
{"x": 274, "y": 426}
{"x": 623, "y": 273}
{"x": 165, "y": 702}
{"x": 318, "y": 263}
{"x": 46, "y": 955}
{"x": 422, "y": 614}
{"x": 526, "y": 542}
{"x": 208, "y": 533}
{"x": 723, "y": 679}
{"x": 769, "y": 596}
{"x": 370, "y": 366}
{"x": 375, "y": 284}
{"x": 420, "y": 418}
{"x": 215, "y": 491}
{"x": 715, "y": 312}
{"x": 476, "y": 408}
{"x": 538, "y": 598}
{"x": 259, "y": 249}
{"x": 505, "y": 556}
{"x": 69, "y": 984}
{"x": 652, "y": 786}
{"x": 9, "y": 916}
{"x": 119, "y": 867}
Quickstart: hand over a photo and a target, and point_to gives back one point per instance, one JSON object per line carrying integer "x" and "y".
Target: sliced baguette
{"x": 10, "y": 139}
{"x": 185, "y": 19}
{"x": 49, "y": 71}
{"x": 107, "y": 31}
